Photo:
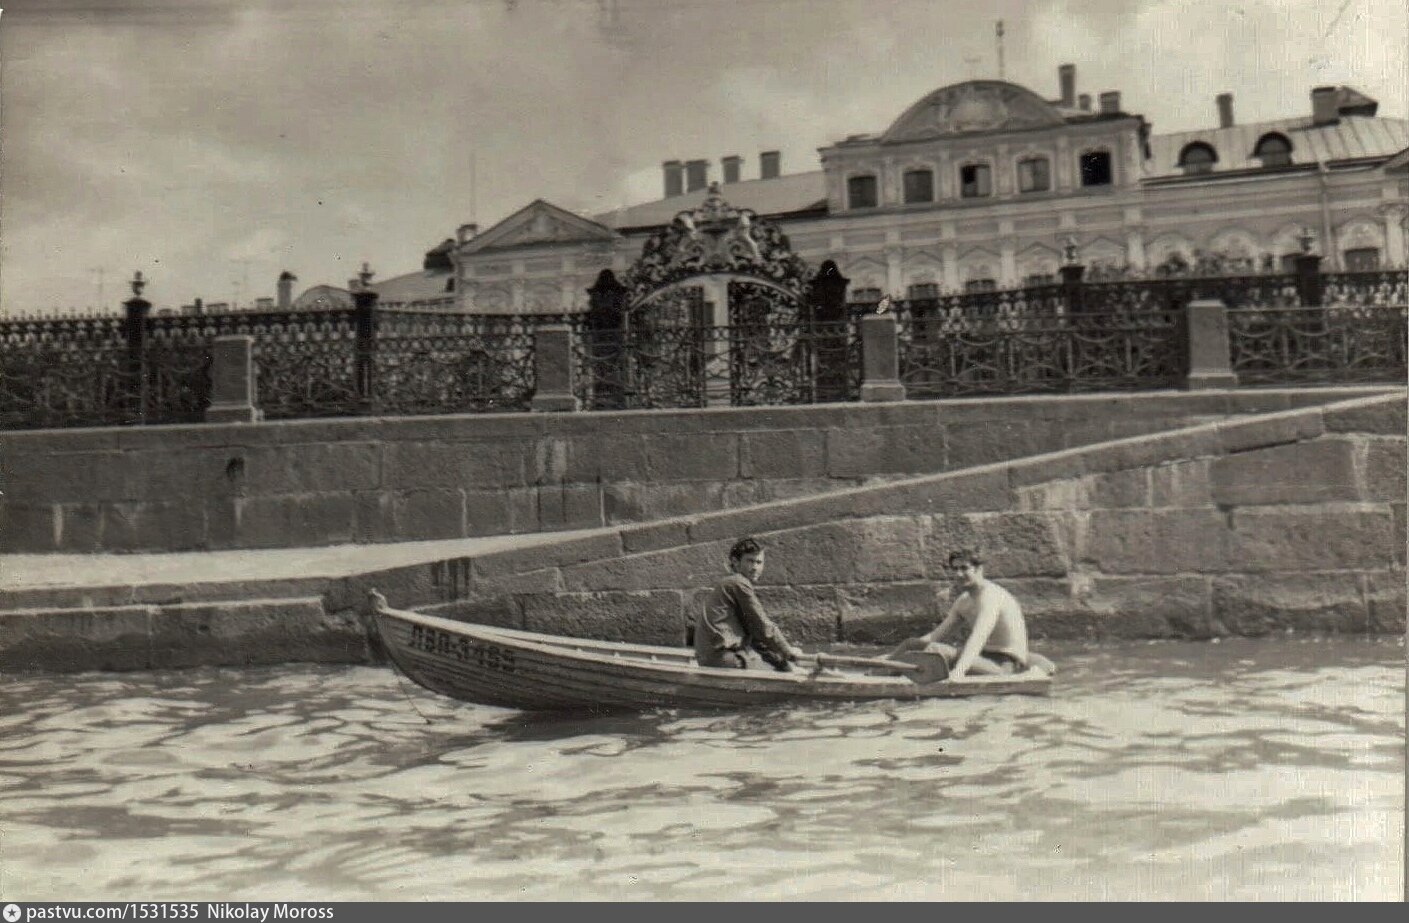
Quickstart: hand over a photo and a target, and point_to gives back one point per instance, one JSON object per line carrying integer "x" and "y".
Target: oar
{"x": 921, "y": 668}
{"x": 840, "y": 660}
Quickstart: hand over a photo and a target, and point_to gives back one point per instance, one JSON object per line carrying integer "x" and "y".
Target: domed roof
{"x": 972, "y": 107}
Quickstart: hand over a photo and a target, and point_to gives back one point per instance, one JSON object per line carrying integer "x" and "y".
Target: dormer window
{"x": 919, "y": 186}
{"x": 1096, "y": 168}
{"x": 975, "y": 181}
{"x": 1197, "y": 158}
{"x": 861, "y": 192}
{"x": 1274, "y": 150}
{"x": 1034, "y": 174}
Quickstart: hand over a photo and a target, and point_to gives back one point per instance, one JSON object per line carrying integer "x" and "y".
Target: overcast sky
{"x": 213, "y": 143}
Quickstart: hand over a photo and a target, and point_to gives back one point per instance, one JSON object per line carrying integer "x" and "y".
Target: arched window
{"x": 975, "y": 180}
{"x": 1034, "y": 174}
{"x": 919, "y": 186}
{"x": 1197, "y": 158}
{"x": 1273, "y": 149}
{"x": 1096, "y": 168}
{"x": 1362, "y": 259}
{"x": 861, "y": 192}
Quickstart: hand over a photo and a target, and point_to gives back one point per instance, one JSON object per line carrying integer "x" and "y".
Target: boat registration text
{"x": 462, "y": 649}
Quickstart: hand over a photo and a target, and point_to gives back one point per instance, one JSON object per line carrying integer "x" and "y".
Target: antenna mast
{"x": 1001, "y": 75}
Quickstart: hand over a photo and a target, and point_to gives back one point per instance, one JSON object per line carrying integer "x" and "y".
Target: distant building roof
{"x": 1351, "y": 138}
{"x": 782, "y": 195}
{"x": 422, "y": 285}
{"x": 320, "y": 297}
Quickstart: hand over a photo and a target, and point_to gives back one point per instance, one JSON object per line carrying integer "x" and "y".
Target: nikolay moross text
{"x": 262, "y": 914}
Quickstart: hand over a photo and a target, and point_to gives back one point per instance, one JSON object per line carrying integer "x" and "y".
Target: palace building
{"x": 986, "y": 184}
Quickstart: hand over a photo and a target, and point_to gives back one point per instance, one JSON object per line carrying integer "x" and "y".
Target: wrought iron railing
{"x": 742, "y": 366}
{"x": 949, "y": 357}
{"x": 445, "y": 371}
{"x": 1383, "y": 287}
{"x": 1354, "y": 343}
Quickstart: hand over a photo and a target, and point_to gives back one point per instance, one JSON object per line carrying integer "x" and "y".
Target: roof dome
{"x": 972, "y": 107}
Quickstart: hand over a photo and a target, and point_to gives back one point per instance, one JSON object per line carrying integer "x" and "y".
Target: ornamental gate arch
{"x": 717, "y": 310}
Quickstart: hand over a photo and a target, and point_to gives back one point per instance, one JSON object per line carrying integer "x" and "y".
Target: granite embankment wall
{"x": 326, "y": 482}
{"x": 1293, "y": 520}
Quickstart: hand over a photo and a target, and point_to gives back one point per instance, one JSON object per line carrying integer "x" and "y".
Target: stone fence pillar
{"x": 1206, "y": 340}
{"x": 1308, "y": 279}
{"x": 232, "y": 391}
{"x": 552, "y": 368}
{"x": 880, "y": 359}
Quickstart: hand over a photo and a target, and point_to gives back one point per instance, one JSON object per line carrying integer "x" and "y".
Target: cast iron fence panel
{"x": 71, "y": 371}
{"x": 1383, "y": 287}
{"x": 742, "y": 366}
{"x": 952, "y": 356}
{"x": 439, "y": 369}
{"x": 1175, "y": 292}
{"x": 1354, "y": 343}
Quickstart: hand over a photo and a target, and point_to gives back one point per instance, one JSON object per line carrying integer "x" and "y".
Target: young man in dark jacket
{"x": 732, "y": 630}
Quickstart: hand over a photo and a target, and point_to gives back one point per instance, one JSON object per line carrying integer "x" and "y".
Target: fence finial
{"x": 138, "y": 283}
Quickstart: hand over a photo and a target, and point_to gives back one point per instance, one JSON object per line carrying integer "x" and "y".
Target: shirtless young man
{"x": 997, "y": 638}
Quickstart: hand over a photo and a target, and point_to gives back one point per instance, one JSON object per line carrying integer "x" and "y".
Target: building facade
{"x": 986, "y": 184}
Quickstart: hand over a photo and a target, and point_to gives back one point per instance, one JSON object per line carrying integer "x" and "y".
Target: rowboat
{"x": 539, "y": 672}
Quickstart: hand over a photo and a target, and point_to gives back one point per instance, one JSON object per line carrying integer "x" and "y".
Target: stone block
{"x": 156, "y": 526}
{"x": 1013, "y": 544}
{"x": 422, "y": 465}
{"x": 1386, "y": 603}
{"x": 1001, "y": 441}
{"x": 974, "y": 490}
{"x": 805, "y": 614}
{"x": 1151, "y": 607}
{"x": 564, "y": 552}
{"x": 1401, "y": 534}
{"x": 407, "y": 587}
{"x": 692, "y": 457}
{"x": 699, "y": 565}
{"x": 81, "y": 527}
{"x": 1306, "y": 472}
{"x": 654, "y": 536}
{"x": 1383, "y": 416}
{"x": 642, "y": 502}
{"x": 89, "y": 477}
{"x": 1323, "y": 538}
{"x": 28, "y": 529}
{"x": 551, "y": 461}
{"x": 291, "y": 521}
{"x": 886, "y": 450}
{"x": 1155, "y": 449}
{"x": 422, "y": 515}
{"x": 1184, "y": 483}
{"x": 748, "y": 493}
{"x": 499, "y": 611}
{"x": 856, "y": 551}
{"x": 730, "y": 525}
{"x": 652, "y": 617}
{"x": 257, "y": 632}
{"x": 1054, "y": 496}
{"x": 71, "y": 640}
{"x": 569, "y": 506}
{"x": 1385, "y": 469}
{"x": 1270, "y": 430}
{"x": 501, "y": 512}
{"x": 1120, "y": 489}
{"x": 1161, "y": 541}
{"x": 372, "y": 516}
{"x": 1259, "y": 604}
{"x": 783, "y": 454}
{"x": 607, "y": 458}
{"x": 888, "y": 613}
{"x": 1054, "y": 466}
{"x": 544, "y": 580}
{"x": 311, "y": 468}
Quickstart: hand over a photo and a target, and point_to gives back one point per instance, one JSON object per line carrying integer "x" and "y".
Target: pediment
{"x": 977, "y": 106}
{"x": 539, "y": 223}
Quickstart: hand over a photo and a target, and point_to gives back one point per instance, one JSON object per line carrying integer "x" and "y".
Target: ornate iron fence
{"x": 1384, "y": 287}
{"x": 451, "y": 364}
{"x": 1322, "y": 344}
{"x": 742, "y": 366}
{"x": 950, "y": 357}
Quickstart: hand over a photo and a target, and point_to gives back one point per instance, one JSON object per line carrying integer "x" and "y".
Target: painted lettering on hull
{"x": 444, "y": 644}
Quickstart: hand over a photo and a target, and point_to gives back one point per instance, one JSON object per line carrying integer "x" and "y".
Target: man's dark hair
{"x": 969, "y": 556}
{"x": 744, "y": 546}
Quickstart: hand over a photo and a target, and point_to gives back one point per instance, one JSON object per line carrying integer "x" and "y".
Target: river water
{"x": 1241, "y": 770}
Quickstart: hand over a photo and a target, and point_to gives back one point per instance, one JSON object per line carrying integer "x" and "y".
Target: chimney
{"x": 466, "y": 232}
{"x": 770, "y": 165}
{"x": 696, "y": 175}
{"x": 1066, "y": 74}
{"x": 264, "y": 304}
{"x": 674, "y": 178}
{"x": 732, "y": 165}
{"x": 1083, "y": 102}
{"x": 1110, "y": 102}
{"x": 285, "y": 288}
{"x": 1225, "y": 110}
{"x": 1323, "y": 106}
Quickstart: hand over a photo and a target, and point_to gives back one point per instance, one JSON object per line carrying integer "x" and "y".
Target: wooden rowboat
{"x": 538, "y": 672}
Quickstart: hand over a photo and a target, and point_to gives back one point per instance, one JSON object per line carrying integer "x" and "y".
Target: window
{"x": 1096, "y": 168}
{"x": 1274, "y": 150}
{"x": 861, "y": 192}
{"x": 1034, "y": 174}
{"x": 975, "y": 181}
{"x": 1362, "y": 259}
{"x": 981, "y": 285}
{"x": 1288, "y": 262}
{"x": 1038, "y": 278}
{"x": 919, "y": 186}
{"x": 865, "y": 295}
{"x": 1198, "y": 158}
{"x": 924, "y": 291}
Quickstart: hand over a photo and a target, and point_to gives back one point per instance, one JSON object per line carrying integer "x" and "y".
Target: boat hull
{"x": 537, "y": 672}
